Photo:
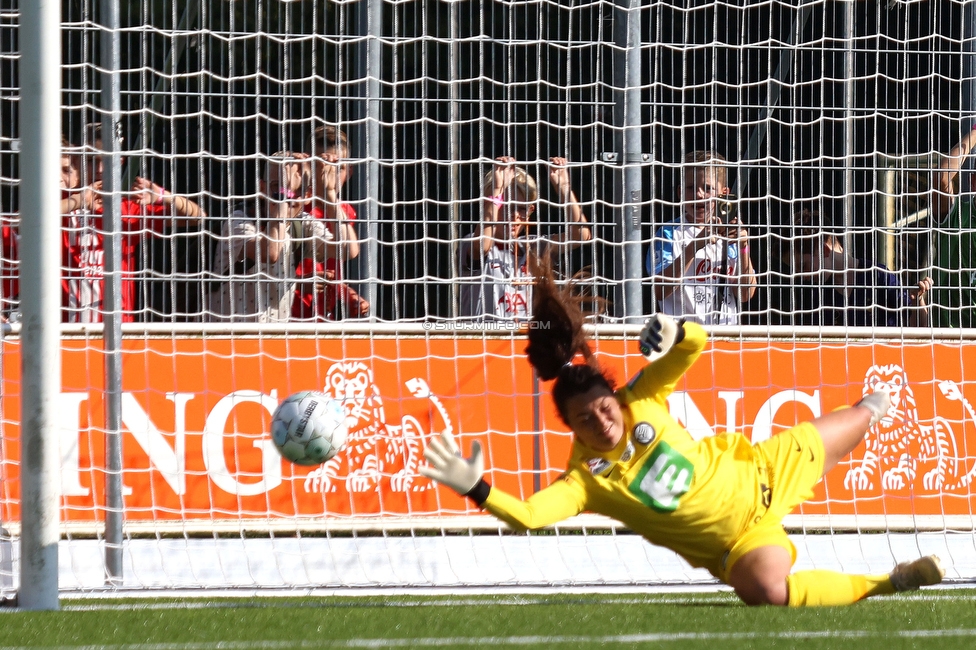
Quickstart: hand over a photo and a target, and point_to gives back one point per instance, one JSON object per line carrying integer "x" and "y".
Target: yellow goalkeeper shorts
{"x": 792, "y": 462}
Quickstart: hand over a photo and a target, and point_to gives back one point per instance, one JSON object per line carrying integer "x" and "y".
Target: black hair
{"x": 556, "y": 336}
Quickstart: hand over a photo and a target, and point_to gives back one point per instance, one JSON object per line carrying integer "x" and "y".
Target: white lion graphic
{"x": 900, "y": 447}
{"x": 376, "y": 452}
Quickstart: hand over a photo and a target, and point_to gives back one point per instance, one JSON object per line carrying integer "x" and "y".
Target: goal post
{"x": 39, "y": 365}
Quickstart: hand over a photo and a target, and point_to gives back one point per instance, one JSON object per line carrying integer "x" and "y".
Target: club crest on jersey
{"x": 598, "y": 465}
{"x": 644, "y": 433}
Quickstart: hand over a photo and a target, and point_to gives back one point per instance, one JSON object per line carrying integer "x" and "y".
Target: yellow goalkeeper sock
{"x": 818, "y": 588}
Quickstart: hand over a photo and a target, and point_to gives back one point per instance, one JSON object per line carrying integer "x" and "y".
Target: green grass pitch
{"x": 941, "y": 619}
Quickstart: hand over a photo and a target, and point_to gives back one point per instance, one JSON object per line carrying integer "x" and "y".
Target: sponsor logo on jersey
{"x": 663, "y": 479}
{"x": 598, "y": 465}
{"x": 628, "y": 452}
{"x": 644, "y": 433}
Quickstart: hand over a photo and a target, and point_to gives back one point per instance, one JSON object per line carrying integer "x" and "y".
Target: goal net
{"x": 854, "y": 112}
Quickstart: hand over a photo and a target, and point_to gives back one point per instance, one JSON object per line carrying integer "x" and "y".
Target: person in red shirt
{"x": 320, "y": 292}
{"x": 319, "y": 297}
{"x": 147, "y": 211}
{"x": 9, "y": 289}
{"x": 10, "y": 232}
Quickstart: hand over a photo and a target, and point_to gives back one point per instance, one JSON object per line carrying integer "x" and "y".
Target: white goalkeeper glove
{"x": 660, "y": 334}
{"x": 445, "y": 464}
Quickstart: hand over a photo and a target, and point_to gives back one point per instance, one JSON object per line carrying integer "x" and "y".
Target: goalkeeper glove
{"x": 445, "y": 465}
{"x": 660, "y": 334}
{"x": 878, "y": 402}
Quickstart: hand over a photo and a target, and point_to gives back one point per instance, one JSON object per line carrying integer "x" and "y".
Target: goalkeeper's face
{"x": 596, "y": 418}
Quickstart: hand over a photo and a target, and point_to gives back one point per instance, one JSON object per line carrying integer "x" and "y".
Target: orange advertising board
{"x": 196, "y": 410}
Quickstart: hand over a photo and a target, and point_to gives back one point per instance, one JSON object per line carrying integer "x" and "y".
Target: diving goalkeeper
{"x": 718, "y": 502}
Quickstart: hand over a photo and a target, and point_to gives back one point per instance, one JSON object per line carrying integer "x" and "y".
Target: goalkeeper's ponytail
{"x": 556, "y": 336}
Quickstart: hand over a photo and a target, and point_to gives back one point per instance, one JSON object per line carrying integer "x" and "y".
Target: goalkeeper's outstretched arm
{"x": 465, "y": 476}
{"x": 671, "y": 347}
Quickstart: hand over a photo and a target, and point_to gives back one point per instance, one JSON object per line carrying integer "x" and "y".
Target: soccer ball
{"x": 309, "y": 428}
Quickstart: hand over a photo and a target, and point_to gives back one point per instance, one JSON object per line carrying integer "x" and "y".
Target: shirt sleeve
{"x": 662, "y": 253}
{"x": 563, "y": 499}
{"x": 658, "y": 379}
{"x": 892, "y": 299}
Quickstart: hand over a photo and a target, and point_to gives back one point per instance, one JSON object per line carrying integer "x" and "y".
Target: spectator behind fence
{"x": 832, "y": 287}
{"x": 255, "y": 260}
{"x": 10, "y": 232}
{"x": 321, "y": 293}
{"x": 700, "y": 261}
{"x": 954, "y": 242}
{"x": 9, "y": 268}
{"x": 10, "y": 260}
{"x": 319, "y": 297}
{"x": 493, "y": 260}
{"x": 9, "y": 285}
{"x": 149, "y": 210}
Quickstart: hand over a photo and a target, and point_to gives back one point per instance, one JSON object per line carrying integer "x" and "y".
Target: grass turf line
{"x": 932, "y": 618}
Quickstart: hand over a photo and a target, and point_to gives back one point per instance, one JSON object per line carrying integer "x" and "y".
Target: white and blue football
{"x": 309, "y": 428}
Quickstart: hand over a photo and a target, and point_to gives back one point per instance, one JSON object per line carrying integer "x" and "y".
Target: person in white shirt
{"x": 255, "y": 261}
{"x": 700, "y": 262}
{"x": 496, "y": 283}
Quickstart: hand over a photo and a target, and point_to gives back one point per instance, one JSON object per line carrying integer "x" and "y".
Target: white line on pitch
{"x": 354, "y": 601}
{"x": 516, "y": 640}
{"x": 456, "y": 602}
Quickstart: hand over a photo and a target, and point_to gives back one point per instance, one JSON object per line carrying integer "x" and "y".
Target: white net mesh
{"x": 855, "y": 112}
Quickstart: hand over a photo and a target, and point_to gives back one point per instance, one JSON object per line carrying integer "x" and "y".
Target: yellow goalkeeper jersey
{"x": 694, "y": 497}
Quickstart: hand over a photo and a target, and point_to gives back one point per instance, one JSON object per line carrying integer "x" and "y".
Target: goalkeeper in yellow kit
{"x": 718, "y": 502}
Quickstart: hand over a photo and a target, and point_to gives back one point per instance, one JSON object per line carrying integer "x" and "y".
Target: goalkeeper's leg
{"x": 842, "y": 430}
{"x": 829, "y": 588}
{"x": 817, "y": 588}
{"x": 761, "y": 577}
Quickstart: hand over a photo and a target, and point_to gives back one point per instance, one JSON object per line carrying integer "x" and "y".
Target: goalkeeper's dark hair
{"x": 556, "y": 336}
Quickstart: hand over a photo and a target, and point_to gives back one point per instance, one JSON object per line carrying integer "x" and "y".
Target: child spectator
{"x": 495, "y": 282}
{"x": 321, "y": 293}
{"x": 700, "y": 261}
{"x": 71, "y": 199}
{"x": 255, "y": 258}
{"x": 149, "y": 210}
